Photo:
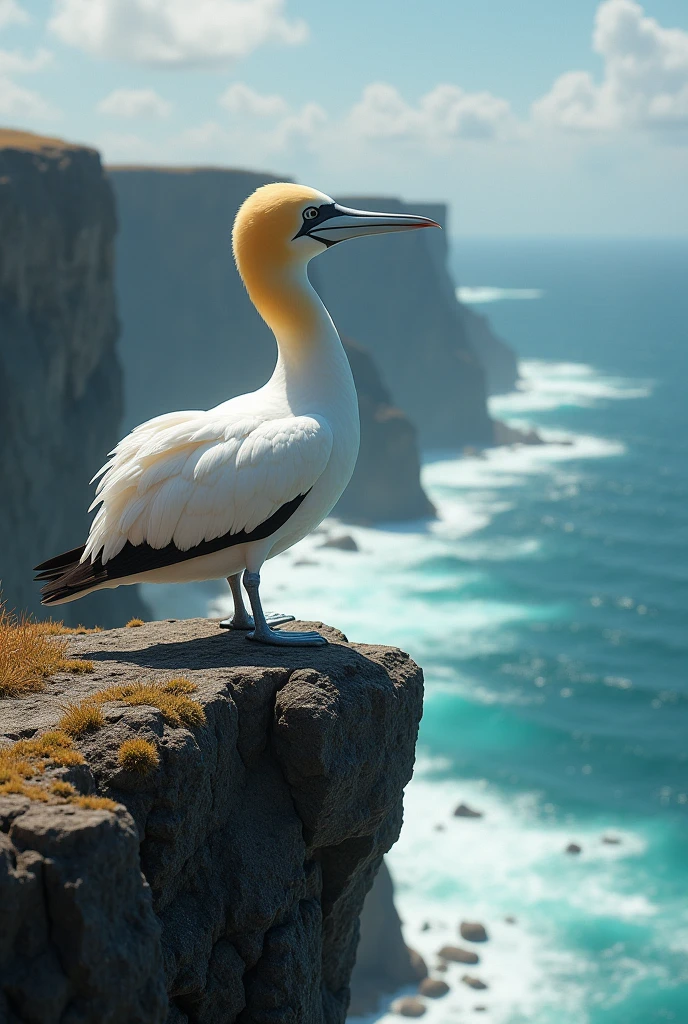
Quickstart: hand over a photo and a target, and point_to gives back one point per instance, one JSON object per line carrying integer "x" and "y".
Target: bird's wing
{"x": 195, "y": 476}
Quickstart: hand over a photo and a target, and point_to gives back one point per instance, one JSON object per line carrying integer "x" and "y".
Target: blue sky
{"x": 544, "y": 117}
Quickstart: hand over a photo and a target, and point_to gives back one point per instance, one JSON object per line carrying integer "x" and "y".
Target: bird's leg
{"x": 262, "y": 633}
{"x": 241, "y": 618}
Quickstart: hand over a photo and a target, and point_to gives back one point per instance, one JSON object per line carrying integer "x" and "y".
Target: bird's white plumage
{"x": 188, "y": 477}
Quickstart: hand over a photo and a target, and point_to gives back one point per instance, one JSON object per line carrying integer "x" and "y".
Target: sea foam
{"x": 477, "y": 296}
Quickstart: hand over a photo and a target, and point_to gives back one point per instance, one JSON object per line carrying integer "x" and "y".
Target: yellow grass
{"x": 78, "y": 719}
{"x": 171, "y": 698}
{"x": 27, "y": 655}
{"x": 28, "y": 759}
{"x": 138, "y": 755}
{"x": 76, "y": 665}
{"x": 22, "y": 765}
{"x": 30, "y": 653}
{"x": 59, "y": 629}
{"x": 134, "y": 622}
{"x": 63, "y": 789}
{"x": 94, "y": 803}
{"x": 180, "y": 685}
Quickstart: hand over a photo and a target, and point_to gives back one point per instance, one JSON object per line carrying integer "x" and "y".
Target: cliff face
{"x": 258, "y": 834}
{"x": 190, "y": 335}
{"x": 386, "y": 481}
{"x": 60, "y": 381}
{"x": 394, "y": 294}
{"x": 498, "y": 360}
{"x": 384, "y": 963}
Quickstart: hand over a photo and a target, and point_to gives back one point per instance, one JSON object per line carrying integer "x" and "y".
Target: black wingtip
{"x": 62, "y": 561}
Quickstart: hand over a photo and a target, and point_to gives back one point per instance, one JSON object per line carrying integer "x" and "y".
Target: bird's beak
{"x": 338, "y": 222}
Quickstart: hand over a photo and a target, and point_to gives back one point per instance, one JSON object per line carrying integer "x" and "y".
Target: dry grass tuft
{"x": 180, "y": 685}
{"x": 28, "y": 759}
{"x": 59, "y": 629}
{"x": 22, "y": 765}
{"x": 169, "y": 698}
{"x": 138, "y": 755}
{"x": 134, "y": 622}
{"x": 29, "y": 654}
{"x": 95, "y": 803}
{"x": 78, "y": 719}
{"x": 78, "y": 666}
{"x": 55, "y": 746}
{"x": 63, "y": 789}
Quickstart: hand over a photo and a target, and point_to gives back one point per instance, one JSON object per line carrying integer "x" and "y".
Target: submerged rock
{"x": 457, "y": 955}
{"x": 473, "y": 931}
{"x": 342, "y": 542}
{"x": 408, "y": 1006}
{"x": 433, "y": 988}
{"x": 473, "y": 982}
{"x": 573, "y": 848}
{"x": 464, "y": 811}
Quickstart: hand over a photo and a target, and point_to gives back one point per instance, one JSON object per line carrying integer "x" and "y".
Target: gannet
{"x": 200, "y": 495}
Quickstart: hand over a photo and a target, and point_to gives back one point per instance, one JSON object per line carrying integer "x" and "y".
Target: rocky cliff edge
{"x": 60, "y": 378}
{"x": 227, "y": 882}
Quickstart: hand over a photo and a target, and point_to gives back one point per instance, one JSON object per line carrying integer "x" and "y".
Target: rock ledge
{"x": 228, "y": 885}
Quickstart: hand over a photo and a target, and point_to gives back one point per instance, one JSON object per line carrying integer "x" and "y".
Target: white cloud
{"x": 304, "y": 126}
{"x": 204, "y": 136}
{"x": 134, "y": 103}
{"x": 12, "y": 62}
{"x": 174, "y": 33}
{"x": 644, "y": 83}
{"x": 242, "y": 99}
{"x": 445, "y": 114}
{"x": 16, "y": 101}
{"x": 12, "y": 14}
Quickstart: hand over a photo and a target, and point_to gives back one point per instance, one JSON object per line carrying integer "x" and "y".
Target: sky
{"x": 544, "y": 118}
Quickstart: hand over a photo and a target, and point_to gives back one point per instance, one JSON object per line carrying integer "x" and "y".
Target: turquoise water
{"x": 548, "y": 607}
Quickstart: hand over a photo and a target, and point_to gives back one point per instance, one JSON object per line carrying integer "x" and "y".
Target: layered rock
{"x": 384, "y": 963}
{"x": 394, "y": 294}
{"x": 498, "y": 360}
{"x": 258, "y": 834}
{"x": 60, "y": 379}
{"x": 386, "y": 482}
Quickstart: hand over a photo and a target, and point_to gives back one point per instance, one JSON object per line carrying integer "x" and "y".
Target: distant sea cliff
{"x": 60, "y": 377}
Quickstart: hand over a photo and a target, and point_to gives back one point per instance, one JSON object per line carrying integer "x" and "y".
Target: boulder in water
{"x": 343, "y": 542}
{"x": 408, "y": 1006}
{"x": 472, "y": 982}
{"x": 473, "y": 931}
{"x": 464, "y": 811}
{"x": 456, "y": 955}
{"x": 433, "y": 988}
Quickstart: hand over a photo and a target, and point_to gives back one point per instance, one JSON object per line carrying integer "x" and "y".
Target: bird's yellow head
{"x": 282, "y": 226}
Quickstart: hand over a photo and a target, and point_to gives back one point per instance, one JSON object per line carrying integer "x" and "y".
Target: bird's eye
{"x": 311, "y": 213}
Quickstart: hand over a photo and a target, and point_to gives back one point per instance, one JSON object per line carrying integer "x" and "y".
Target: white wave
{"x": 511, "y": 862}
{"x": 506, "y": 467}
{"x": 475, "y": 296}
{"x": 545, "y": 385}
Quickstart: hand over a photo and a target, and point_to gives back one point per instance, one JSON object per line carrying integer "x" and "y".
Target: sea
{"x": 548, "y": 607}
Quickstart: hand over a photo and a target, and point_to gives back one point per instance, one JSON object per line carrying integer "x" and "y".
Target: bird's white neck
{"x": 311, "y": 359}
